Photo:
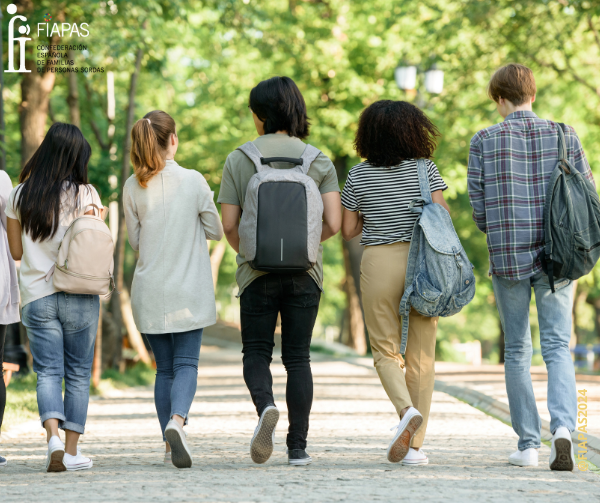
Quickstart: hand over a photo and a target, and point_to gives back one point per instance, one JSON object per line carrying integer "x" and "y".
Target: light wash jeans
{"x": 62, "y": 331}
{"x": 176, "y": 357}
{"x": 554, "y": 317}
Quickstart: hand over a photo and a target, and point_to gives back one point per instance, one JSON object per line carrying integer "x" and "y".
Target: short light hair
{"x": 512, "y": 82}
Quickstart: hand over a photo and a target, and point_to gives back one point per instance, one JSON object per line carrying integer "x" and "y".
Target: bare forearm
{"x": 233, "y": 238}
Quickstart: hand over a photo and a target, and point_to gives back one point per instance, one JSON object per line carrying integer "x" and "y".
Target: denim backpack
{"x": 439, "y": 276}
{"x": 571, "y": 221}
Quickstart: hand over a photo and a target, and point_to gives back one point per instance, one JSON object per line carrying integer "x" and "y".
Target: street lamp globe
{"x": 406, "y": 77}
{"x": 434, "y": 80}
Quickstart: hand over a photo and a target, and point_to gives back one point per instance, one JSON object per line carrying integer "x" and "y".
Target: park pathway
{"x": 348, "y": 438}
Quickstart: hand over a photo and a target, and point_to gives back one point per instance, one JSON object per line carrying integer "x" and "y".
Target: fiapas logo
{"x": 23, "y": 30}
{"x": 63, "y": 30}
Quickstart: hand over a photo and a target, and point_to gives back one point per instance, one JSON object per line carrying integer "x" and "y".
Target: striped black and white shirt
{"x": 383, "y": 194}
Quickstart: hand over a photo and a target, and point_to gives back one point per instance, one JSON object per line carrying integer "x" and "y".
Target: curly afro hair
{"x": 391, "y": 131}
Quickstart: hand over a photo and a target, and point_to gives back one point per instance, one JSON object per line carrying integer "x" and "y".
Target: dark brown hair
{"x": 392, "y": 131}
{"x": 280, "y": 105}
{"x": 150, "y": 138}
{"x": 512, "y": 82}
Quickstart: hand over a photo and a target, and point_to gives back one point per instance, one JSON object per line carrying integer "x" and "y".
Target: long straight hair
{"x": 59, "y": 164}
{"x": 150, "y": 139}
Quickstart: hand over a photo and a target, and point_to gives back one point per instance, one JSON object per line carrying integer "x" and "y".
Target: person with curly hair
{"x": 391, "y": 136}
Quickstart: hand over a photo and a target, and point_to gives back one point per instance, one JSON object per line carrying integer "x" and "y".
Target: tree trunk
{"x": 579, "y": 295}
{"x": 216, "y": 257}
{"x": 97, "y": 363}
{"x": 356, "y": 333}
{"x": 595, "y": 303}
{"x": 73, "y": 97}
{"x": 125, "y": 171}
{"x": 33, "y": 111}
{"x": 356, "y": 326}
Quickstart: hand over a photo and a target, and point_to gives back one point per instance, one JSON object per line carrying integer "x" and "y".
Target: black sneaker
{"x": 298, "y": 457}
{"x": 3, "y": 462}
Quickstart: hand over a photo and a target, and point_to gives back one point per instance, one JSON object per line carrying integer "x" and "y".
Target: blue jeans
{"x": 554, "y": 317}
{"x": 62, "y": 331}
{"x": 176, "y": 357}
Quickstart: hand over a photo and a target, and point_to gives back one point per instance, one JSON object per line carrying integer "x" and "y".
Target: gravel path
{"x": 348, "y": 438}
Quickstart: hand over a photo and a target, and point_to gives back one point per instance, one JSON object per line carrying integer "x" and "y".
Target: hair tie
{"x": 149, "y": 121}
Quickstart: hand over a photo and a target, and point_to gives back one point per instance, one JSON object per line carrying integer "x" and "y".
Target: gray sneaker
{"x": 298, "y": 457}
{"x": 180, "y": 452}
{"x": 261, "y": 445}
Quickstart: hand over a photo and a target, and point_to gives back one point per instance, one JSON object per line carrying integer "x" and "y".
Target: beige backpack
{"x": 85, "y": 258}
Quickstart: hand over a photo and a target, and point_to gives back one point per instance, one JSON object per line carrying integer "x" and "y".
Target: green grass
{"x": 138, "y": 375}
{"x": 21, "y": 401}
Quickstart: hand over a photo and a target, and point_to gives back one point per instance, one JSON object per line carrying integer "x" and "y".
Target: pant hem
{"x": 182, "y": 414}
{"x": 68, "y": 425}
{"x": 530, "y": 447}
{"x": 52, "y": 415}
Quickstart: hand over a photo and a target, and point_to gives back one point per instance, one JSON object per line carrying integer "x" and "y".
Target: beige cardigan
{"x": 169, "y": 223}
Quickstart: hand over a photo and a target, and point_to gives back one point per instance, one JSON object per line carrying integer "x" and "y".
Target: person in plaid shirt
{"x": 510, "y": 164}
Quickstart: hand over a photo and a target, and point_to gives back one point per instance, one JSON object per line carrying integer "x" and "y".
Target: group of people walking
{"x": 170, "y": 214}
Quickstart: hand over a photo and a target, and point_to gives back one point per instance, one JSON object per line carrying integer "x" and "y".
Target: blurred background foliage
{"x": 199, "y": 60}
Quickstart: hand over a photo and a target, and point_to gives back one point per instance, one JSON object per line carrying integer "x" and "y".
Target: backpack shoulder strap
{"x": 562, "y": 143}
{"x": 424, "y": 181}
{"x": 308, "y": 156}
{"x": 253, "y": 154}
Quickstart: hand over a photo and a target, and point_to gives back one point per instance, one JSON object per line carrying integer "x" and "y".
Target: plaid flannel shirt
{"x": 509, "y": 167}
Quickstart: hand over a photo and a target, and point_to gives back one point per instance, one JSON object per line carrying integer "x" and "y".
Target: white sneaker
{"x": 168, "y": 461}
{"x": 528, "y": 457}
{"x": 180, "y": 452}
{"x": 407, "y": 427}
{"x": 415, "y": 457}
{"x": 562, "y": 457}
{"x": 55, "y": 455}
{"x": 261, "y": 445}
{"x": 75, "y": 463}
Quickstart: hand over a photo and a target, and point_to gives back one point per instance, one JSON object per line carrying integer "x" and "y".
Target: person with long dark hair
{"x": 61, "y": 327}
{"x": 9, "y": 288}
{"x": 281, "y": 120}
{"x": 391, "y": 136}
{"x": 170, "y": 213}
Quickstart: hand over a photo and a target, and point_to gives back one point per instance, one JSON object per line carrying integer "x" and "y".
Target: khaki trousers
{"x": 382, "y": 274}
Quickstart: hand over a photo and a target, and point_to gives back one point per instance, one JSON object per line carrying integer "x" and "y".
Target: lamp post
{"x": 406, "y": 79}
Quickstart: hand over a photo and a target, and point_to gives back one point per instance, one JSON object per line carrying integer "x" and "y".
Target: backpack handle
{"x": 291, "y": 160}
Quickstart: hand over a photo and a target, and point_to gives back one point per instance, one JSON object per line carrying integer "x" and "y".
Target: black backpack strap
{"x": 253, "y": 154}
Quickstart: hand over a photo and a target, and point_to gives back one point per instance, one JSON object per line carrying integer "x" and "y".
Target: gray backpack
{"x": 439, "y": 277}
{"x": 282, "y": 219}
{"x": 571, "y": 221}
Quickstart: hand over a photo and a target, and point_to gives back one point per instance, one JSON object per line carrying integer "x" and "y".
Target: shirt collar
{"x": 520, "y": 114}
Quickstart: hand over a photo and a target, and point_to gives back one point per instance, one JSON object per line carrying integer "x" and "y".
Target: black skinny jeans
{"x": 2, "y": 387}
{"x": 296, "y": 297}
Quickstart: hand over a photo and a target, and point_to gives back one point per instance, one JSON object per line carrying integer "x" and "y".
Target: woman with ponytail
{"x": 170, "y": 213}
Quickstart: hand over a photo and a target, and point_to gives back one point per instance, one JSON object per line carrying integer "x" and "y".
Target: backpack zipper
{"x": 83, "y": 276}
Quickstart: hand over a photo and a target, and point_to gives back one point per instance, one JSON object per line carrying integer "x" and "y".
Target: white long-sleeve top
{"x": 169, "y": 223}
{"x": 9, "y": 282}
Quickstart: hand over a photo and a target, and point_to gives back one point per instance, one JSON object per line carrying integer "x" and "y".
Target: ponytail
{"x": 150, "y": 138}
